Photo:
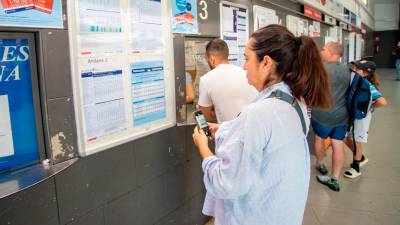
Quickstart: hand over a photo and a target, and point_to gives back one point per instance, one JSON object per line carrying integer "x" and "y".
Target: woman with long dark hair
{"x": 261, "y": 169}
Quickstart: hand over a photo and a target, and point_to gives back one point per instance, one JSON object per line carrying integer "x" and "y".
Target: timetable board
{"x": 235, "y": 30}
{"x": 122, "y": 63}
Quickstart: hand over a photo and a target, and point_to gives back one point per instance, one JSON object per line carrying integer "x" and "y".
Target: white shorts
{"x": 361, "y": 128}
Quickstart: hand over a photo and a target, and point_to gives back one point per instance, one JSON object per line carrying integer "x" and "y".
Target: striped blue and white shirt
{"x": 261, "y": 171}
{"x": 375, "y": 94}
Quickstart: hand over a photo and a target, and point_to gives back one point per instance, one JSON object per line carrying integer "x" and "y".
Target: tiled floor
{"x": 374, "y": 197}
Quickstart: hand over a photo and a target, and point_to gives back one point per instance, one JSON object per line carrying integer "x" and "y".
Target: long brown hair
{"x": 299, "y": 63}
{"x": 373, "y": 78}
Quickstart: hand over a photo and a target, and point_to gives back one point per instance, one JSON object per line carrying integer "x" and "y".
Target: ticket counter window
{"x": 195, "y": 66}
{"x": 19, "y": 108}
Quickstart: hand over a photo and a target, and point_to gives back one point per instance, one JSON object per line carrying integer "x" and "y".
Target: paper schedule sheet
{"x": 146, "y": 31}
{"x": 6, "y": 138}
{"x": 235, "y": 31}
{"x": 264, "y": 16}
{"x": 103, "y": 102}
{"x": 148, "y": 92}
{"x": 100, "y": 16}
{"x": 100, "y": 27}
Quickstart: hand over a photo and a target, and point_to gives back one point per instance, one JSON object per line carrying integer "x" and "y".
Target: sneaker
{"x": 322, "y": 169}
{"x": 329, "y": 181}
{"x": 363, "y": 161}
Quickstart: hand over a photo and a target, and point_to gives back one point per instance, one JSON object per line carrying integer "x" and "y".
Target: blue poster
{"x": 148, "y": 92}
{"x": 18, "y": 137}
{"x": 184, "y": 16}
{"x": 31, "y": 13}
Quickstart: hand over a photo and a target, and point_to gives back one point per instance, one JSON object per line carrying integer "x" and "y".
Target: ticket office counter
{"x": 21, "y": 133}
{"x": 26, "y": 158}
{"x": 195, "y": 67}
{"x": 189, "y": 60}
{"x": 190, "y": 49}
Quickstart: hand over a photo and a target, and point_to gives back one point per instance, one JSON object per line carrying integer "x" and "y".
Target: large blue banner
{"x": 18, "y": 136}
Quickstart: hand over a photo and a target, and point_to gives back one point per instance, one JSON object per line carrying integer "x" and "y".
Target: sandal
{"x": 363, "y": 161}
{"x": 351, "y": 173}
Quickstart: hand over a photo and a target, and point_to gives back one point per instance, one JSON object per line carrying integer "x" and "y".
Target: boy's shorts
{"x": 337, "y": 133}
{"x": 361, "y": 128}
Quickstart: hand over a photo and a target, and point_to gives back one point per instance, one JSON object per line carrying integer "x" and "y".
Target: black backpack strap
{"x": 292, "y": 101}
{"x": 358, "y": 86}
{"x": 352, "y": 119}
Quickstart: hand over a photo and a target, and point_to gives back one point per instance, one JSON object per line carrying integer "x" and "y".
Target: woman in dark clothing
{"x": 396, "y": 53}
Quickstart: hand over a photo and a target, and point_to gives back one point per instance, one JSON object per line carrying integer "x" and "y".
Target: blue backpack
{"x": 358, "y": 98}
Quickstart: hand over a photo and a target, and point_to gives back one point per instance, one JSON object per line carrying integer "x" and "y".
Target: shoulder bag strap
{"x": 292, "y": 101}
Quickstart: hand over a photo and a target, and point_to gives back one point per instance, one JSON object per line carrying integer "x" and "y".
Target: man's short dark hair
{"x": 218, "y": 48}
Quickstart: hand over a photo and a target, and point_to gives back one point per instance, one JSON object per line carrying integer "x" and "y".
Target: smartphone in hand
{"x": 201, "y": 122}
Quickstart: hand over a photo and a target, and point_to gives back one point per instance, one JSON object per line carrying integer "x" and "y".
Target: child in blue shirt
{"x": 366, "y": 69}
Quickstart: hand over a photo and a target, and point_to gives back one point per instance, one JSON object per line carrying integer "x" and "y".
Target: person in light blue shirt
{"x": 261, "y": 168}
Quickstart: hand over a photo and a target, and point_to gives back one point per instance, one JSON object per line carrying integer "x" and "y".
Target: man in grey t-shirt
{"x": 332, "y": 123}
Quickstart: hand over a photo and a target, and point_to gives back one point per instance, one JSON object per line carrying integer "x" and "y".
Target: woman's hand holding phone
{"x": 201, "y": 141}
{"x": 213, "y": 128}
{"x": 199, "y": 137}
{"x": 202, "y": 132}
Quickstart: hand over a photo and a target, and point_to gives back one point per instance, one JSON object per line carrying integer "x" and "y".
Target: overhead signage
{"x": 331, "y": 7}
{"x": 345, "y": 26}
{"x": 329, "y": 20}
{"x": 353, "y": 19}
{"x": 346, "y": 15}
{"x": 312, "y": 13}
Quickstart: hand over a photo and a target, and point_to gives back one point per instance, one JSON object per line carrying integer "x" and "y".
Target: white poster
{"x": 231, "y": 40}
{"x": 228, "y": 18}
{"x": 316, "y": 29}
{"x": 202, "y": 66}
{"x": 292, "y": 23}
{"x": 235, "y": 30}
{"x": 100, "y": 27}
{"x": 302, "y": 27}
{"x": 148, "y": 92}
{"x": 264, "y": 17}
{"x": 146, "y": 30}
{"x": 6, "y": 138}
{"x": 242, "y": 30}
{"x": 335, "y": 33}
{"x": 328, "y": 39}
{"x": 190, "y": 61}
{"x": 103, "y": 100}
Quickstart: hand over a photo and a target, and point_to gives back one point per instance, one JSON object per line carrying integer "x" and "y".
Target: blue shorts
{"x": 337, "y": 133}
